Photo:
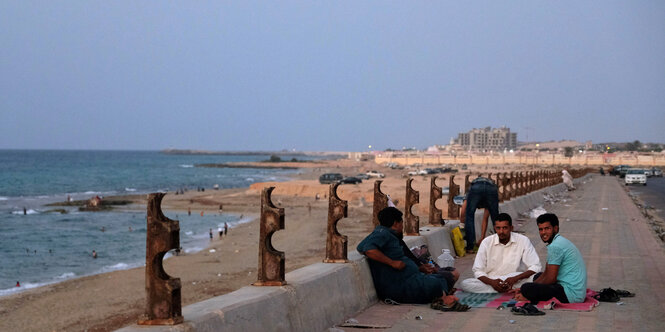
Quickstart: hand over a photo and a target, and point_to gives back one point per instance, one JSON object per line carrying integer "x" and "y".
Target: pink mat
{"x": 588, "y": 304}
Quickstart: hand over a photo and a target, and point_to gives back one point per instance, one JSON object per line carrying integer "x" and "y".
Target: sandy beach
{"x": 109, "y": 301}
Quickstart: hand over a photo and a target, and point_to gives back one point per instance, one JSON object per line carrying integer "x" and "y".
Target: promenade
{"x": 619, "y": 249}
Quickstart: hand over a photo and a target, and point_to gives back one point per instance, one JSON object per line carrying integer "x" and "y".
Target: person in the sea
{"x": 94, "y": 254}
{"x": 565, "y": 275}
{"x": 498, "y": 264}
{"x": 396, "y": 277}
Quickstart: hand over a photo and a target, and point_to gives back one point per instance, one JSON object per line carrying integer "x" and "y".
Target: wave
{"x": 186, "y": 166}
{"x": 249, "y": 179}
{"x": 118, "y": 266}
{"x": 29, "y": 211}
{"x": 193, "y": 250}
{"x": 130, "y": 189}
{"x": 30, "y": 285}
{"x": 3, "y": 198}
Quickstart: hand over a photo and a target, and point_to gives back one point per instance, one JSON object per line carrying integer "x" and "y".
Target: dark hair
{"x": 388, "y": 216}
{"x": 548, "y": 217}
{"x": 505, "y": 217}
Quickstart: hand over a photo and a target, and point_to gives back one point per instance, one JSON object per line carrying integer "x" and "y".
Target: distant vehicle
{"x": 330, "y": 178}
{"x": 623, "y": 171}
{"x": 351, "y": 179}
{"x": 657, "y": 172}
{"x": 635, "y": 175}
{"x": 464, "y": 167}
{"x": 430, "y": 171}
{"x": 413, "y": 173}
{"x": 616, "y": 170}
{"x": 375, "y": 174}
{"x": 648, "y": 172}
{"x": 362, "y": 176}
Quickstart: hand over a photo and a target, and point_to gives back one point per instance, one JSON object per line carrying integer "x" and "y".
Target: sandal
{"x": 607, "y": 295}
{"x": 527, "y": 310}
{"x": 439, "y": 305}
{"x": 390, "y": 302}
{"x": 624, "y": 293}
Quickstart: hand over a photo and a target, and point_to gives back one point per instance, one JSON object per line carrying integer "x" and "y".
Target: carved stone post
{"x": 467, "y": 184}
{"x": 163, "y": 292}
{"x": 271, "y": 261}
{"x": 513, "y": 185}
{"x": 380, "y": 202}
{"x": 501, "y": 188}
{"x": 435, "y": 214}
{"x": 412, "y": 222}
{"x": 453, "y": 190}
{"x": 336, "y": 243}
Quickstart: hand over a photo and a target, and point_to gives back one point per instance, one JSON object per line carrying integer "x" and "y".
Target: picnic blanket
{"x": 495, "y": 300}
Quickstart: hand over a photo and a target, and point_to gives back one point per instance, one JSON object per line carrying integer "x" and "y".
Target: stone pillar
{"x": 336, "y": 243}
{"x": 271, "y": 261}
{"x": 163, "y": 305}
{"x": 435, "y": 214}
{"x": 412, "y": 222}
{"x": 380, "y": 202}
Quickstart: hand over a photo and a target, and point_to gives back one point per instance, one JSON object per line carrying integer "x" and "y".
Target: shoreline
{"x": 111, "y": 300}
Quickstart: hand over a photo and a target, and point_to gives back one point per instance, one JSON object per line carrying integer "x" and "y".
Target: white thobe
{"x": 495, "y": 260}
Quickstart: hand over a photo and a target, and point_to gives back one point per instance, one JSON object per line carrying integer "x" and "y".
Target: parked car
{"x": 657, "y": 172}
{"x": 648, "y": 172}
{"x": 330, "y": 178}
{"x": 375, "y": 174}
{"x": 351, "y": 179}
{"x": 362, "y": 176}
{"x": 623, "y": 171}
{"x": 635, "y": 175}
{"x": 616, "y": 170}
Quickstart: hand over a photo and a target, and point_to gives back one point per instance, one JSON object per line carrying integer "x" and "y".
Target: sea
{"x": 41, "y": 246}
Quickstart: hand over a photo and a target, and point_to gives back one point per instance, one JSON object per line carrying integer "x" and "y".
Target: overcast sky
{"x": 318, "y": 75}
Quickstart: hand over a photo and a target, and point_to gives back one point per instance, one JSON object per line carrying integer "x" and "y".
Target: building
{"x": 487, "y": 139}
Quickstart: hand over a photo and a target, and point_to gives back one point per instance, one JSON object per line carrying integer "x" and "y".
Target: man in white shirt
{"x": 500, "y": 256}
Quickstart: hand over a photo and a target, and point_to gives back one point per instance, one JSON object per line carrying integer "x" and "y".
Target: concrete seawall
{"x": 320, "y": 295}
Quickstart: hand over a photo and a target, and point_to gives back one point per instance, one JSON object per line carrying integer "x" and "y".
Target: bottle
{"x": 445, "y": 259}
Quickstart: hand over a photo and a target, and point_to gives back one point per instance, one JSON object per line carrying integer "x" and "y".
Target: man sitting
{"x": 395, "y": 276}
{"x": 499, "y": 259}
{"x": 565, "y": 273}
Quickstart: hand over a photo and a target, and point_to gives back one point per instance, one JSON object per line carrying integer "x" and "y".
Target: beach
{"x": 108, "y": 301}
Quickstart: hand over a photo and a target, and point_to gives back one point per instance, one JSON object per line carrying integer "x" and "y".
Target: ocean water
{"x": 42, "y": 247}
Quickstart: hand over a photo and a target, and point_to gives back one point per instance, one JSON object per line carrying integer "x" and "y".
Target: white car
{"x": 375, "y": 174}
{"x": 635, "y": 175}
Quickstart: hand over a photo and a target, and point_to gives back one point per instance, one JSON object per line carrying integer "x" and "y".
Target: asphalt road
{"x": 652, "y": 194}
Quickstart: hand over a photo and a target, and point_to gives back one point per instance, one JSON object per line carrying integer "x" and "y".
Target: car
{"x": 351, "y": 179}
{"x": 412, "y": 173}
{"x": 330, "y": 178}
{"x": 623, "y": 171}
{"x": 657, "y": 172}
{"x": 648, "y": 172}
{"x": 635, "y": 175}
{"x": 362, "y": 176}
{"x": 616, "y": 170}
{"x": 375, "y": 174}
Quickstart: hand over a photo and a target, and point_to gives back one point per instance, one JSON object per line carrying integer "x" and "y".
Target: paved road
{"x": 652, "y": 194}
{"x": 620, "y": 252}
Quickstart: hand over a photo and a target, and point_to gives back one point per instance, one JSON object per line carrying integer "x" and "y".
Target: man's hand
{"x": 497, "y": 284}
{"x": 510, "y": 282}
{"x": 427, "y": 269}
{"x": 397, "y": 265}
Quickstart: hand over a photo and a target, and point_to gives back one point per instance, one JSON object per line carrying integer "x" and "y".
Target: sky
{"x": 327, "y": 75}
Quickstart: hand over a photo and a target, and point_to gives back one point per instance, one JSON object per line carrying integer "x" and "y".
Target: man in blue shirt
{"x": 565, "y": 274}
{"x": 397, "y": 277}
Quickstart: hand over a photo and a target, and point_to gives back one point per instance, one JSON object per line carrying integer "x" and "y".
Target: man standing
{"x": 395, "y": 276}
{"x": 496, "y": 267}
{"x": 483, "y": 192}
{"x": 565, "y": 274}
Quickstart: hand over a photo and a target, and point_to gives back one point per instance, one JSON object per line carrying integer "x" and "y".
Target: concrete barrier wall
{"x": 320, "y": 295}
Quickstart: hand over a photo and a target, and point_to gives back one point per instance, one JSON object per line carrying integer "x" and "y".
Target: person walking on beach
{"x": 211, "y": 234}
{"x": 226, "y": 228}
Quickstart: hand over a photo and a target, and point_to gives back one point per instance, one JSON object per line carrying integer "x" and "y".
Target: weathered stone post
{"x": 412, "y": 222}
{"x": 453, "y": 190}
{"x": 467, "y": 184}
{"x": 336, "y": 243}
{"x": 380, "y": 202}
{"x": 435, "y": 214}
{"x": 163, "y": 306}
{"x": 271, "y": 261}
{"x": 513, "y": 185}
